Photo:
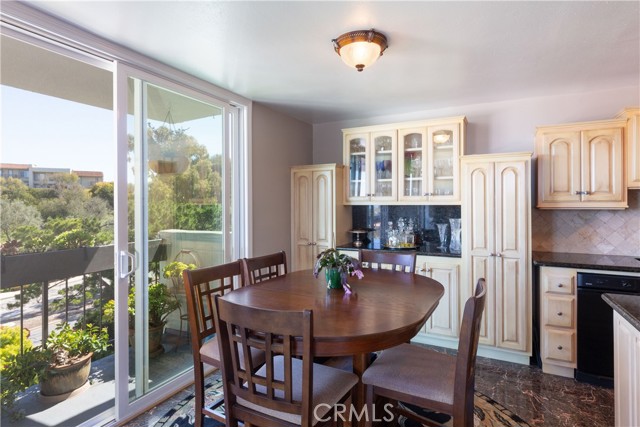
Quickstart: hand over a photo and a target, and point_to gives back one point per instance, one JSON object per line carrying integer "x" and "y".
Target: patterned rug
{"x": 488, "y": 412}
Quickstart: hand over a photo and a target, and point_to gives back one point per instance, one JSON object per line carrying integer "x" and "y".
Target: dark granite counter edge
{"x": 628, "y": 306}
{"x": 586, "y": 261}
{"x": 420, "y": 252}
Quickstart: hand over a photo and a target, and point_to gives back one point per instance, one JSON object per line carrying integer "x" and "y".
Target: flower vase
{"x": 333, "y": 277}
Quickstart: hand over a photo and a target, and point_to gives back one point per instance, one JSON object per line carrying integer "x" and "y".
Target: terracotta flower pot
{"x": 65, "y": 379}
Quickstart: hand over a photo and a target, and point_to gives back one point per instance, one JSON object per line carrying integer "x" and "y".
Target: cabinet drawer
{"x": 558, "y": 280}
{"x": 558, "y": 311}
{"x": 559, "y": 345}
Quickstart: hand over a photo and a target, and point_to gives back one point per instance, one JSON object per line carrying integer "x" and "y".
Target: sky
{"x": 52, "y": 132}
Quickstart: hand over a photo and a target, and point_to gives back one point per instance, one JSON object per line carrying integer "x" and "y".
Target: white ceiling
{"x": 440, "y": 54}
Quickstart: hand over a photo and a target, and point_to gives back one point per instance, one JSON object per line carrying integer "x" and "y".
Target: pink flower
{"x": 358, "y": 273}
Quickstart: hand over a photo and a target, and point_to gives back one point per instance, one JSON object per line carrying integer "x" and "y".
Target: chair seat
{"x": 330, "y": 385}
{"x": 210, "y": 354}
{"x": 397, "y": 368}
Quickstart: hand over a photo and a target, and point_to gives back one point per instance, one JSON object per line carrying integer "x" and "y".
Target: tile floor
{"x": 540, "y": 399}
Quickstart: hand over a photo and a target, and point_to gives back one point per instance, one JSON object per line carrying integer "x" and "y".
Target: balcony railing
{"x": 57, "y": 272}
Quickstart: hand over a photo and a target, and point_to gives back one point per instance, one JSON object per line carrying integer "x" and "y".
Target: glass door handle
{"x": 125, "y": 270}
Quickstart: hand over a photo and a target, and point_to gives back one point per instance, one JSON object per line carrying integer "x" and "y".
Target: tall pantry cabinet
{"x": 496, "y": 246}
{"x": 319, "y": 218}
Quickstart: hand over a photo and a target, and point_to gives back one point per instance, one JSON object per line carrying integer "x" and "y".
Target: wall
{"x": 279, "y": 142}
{"x": 509, "y": 126}
{"x": 497, "y": 127}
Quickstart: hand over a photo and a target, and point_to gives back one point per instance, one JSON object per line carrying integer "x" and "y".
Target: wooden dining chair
{"x": 397, "y": 261}
{"x": 286, "y": 390}
{"x": 430, "y": 379}
{"x": 261, "y": 268}
{"x": 201, "y": 285}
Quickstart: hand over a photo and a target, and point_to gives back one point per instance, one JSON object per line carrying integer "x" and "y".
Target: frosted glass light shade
{"x": 361, "y": 48}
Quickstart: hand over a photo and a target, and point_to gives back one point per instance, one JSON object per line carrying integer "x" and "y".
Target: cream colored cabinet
{"x": 581, "y": 166}
{"x": 444, "y": 320}
{"x": 371, "y": 157}
{"x": 429, "y": 162}
{"x": 319, "y": 218}
{"x": 496, "y": 245}
{"x": 405, "y": 163}
{"x": 632, "y": 139}
{"x": 558, "y": 311}
{"x": 626, "y": 375}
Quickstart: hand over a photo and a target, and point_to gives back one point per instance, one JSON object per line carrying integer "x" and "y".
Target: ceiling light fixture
{"x": 360, "y": 48}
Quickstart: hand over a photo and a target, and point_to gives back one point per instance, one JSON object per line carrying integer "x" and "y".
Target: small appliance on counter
{"x": 358, "y": 241}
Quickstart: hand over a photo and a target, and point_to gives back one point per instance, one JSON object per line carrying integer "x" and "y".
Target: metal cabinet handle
{"x": 560, "y": 285}
{"x": 582, "y": 193}
{"x": 559, "y": 347}
{"x": 499, "y": 255}
{"x": 559, "y": 313}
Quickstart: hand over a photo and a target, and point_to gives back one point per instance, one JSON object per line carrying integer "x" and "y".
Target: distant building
{"x": 89, "y": 178}
{"x": 18, "y": 171}
{"x": 37, "y": 177}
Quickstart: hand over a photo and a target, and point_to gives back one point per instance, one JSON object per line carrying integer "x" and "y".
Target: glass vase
{"x": 333, "y": 277}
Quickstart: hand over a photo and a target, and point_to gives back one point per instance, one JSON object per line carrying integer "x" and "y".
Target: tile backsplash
{"x": 608, "y": 232}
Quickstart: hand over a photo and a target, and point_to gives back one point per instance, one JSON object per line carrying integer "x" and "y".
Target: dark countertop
{"x": 587, "y": 261}
{"x": 428, "y": 249}
{"x": 628, "y": 306}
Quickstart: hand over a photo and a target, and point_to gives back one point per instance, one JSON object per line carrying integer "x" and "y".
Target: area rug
{"x": 488, "y": 412}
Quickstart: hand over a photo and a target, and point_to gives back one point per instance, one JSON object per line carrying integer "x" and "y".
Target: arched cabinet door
{"x": 581, "y": 165}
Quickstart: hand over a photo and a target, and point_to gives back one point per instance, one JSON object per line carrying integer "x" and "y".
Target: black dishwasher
{"x": 595, "y": 324}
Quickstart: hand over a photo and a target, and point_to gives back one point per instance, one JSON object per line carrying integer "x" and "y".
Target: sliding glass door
{"x": 174, "y": 159}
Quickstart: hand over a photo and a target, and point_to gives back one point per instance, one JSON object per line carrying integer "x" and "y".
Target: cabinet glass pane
{"x": 442, "y": 162}
{"x": 357, "y": 167}
{"x": 384, "y": 166}
{"x": 412, "y": 165}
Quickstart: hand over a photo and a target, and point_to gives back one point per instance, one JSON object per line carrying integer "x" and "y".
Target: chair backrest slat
{"x": 275, "y": 332}
{"x": 259, "y": 269}
{"x": 201, "y": 286}
{"x": 398, "y": 261}
{"x": 467, "y": 350}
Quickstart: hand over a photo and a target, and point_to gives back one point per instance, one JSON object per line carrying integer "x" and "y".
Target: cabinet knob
{"x": 560, "y": 285}
{"x": 559, "y": 347}
{"x": 499, "y": 254}
{"x": 559, "y": 313}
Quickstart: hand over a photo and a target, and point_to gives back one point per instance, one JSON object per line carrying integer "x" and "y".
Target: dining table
{"x": 384, "y": 309}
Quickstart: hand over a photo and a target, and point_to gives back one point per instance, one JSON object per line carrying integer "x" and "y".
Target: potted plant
{"x": 161, "y": 304}
{"x": 60, "y": 366}
{"x": 338, "y": 267}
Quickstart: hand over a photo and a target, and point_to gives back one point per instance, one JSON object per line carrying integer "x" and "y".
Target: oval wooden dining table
{"x": 384, "y": 309}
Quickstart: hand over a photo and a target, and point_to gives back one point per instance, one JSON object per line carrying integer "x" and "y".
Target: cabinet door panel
{"x": 383, "y": 166}
{"x": 413, "y": 164}
{"x": 444, "y": 320}
{"x": 559, "y": 167}
{"x": 602, "y": 171}
{"x": 511, "y": 299}
{"x": 356, "y": 155}
{"x": 322, "y": 211}
{"x": 302, "y": 210}
{"x": 484, "y": 267}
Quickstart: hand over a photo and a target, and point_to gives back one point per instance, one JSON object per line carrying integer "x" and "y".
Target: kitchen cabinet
{"x": 371, "y": 157}
{"x": 429, "y": 163}
{"x": 405, "y": 163}
{"x": 318, "y": 214}
{"x": 496, "y": 246}
{"x": 444, "y": 320}
{"x": 632, "y": 138}
{"x": 558, "y": 312}
{"x": 580, "y": 166}
{"x": 626, "y": 342}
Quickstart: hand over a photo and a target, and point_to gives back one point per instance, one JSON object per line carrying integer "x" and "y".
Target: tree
{"x": 104, "y": 191}
{"x": 15, "y": 189}
{"x": 14, "y": 214}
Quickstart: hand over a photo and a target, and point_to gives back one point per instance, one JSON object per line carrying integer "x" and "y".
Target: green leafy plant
{"x": 346, "y": 265}
{"x": 161, "y": 304}
{"x": 64, "y": 345}
{"x": 10, "y": 343}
